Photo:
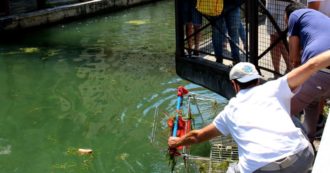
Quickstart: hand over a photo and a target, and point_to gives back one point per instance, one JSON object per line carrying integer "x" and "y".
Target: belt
{"x": 281, "y": 163}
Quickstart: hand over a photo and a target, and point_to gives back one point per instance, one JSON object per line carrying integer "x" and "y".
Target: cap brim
{"x": 248, "y": 78}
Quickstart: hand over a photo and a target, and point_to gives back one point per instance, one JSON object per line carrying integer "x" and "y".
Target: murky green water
{"x": 94, "y": 84}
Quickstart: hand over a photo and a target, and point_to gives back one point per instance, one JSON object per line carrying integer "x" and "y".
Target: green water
{"x": 93, "y": 83}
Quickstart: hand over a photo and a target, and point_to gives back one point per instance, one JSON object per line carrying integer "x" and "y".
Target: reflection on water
{"x": 89, "y": 84}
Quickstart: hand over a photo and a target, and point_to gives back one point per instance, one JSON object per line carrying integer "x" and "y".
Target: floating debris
{"x": 137, "y": 22}
{"x": 85, "y": 151}
{"x": 29, "y": 50}
{"x": 5, "y": 150}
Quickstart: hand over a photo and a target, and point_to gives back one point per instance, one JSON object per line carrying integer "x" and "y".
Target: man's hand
{"x": 195, "y": 136}
{"x": 173, "y": 142}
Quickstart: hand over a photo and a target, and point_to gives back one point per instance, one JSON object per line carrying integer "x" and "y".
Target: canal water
{"x": 93, "y": 83}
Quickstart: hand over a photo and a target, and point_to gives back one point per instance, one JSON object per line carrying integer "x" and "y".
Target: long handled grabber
{"x": 177, "y": 126}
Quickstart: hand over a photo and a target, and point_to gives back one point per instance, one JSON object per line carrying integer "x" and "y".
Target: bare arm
{"x": 314, "y": 5}
{"x": 195, "y": 136}
{"x": 299, "y": 75}
{"x": 294, "y": 51}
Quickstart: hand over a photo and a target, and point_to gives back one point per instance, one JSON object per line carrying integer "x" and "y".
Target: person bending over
{"x": 259, "y": 121}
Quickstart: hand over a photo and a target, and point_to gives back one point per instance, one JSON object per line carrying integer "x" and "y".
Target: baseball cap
{"x": 244, "y": 72}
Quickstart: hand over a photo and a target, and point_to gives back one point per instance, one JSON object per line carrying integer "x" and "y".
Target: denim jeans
{"x": 230, "y": 18}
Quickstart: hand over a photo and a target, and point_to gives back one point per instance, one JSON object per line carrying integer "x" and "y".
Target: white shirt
{"x": 259, "y": 121}
{"x": 324, "y": 6}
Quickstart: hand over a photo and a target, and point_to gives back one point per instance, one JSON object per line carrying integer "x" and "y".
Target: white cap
{"x": 244, "y": 72}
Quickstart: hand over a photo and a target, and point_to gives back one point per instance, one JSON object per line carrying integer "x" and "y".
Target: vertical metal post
{"x": 252, "y": 16}
{"x": 179, "y": 30}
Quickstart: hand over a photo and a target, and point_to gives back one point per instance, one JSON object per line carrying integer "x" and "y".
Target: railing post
{"x": 252, "y": 16}
{"x": 179, "y": 30}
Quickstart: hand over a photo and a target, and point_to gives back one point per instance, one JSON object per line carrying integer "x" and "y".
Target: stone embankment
{"x": 65, "y": 12}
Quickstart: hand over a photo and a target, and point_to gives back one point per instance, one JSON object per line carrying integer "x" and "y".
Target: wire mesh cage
{"x": 223, "y": 149}
{"x": 223, "y": 152}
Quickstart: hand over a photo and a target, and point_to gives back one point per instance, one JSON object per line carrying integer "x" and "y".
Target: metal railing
{"x": 256, "y": 34}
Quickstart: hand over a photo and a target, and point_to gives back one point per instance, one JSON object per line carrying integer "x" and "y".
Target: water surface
{"x": 93, "y": 83}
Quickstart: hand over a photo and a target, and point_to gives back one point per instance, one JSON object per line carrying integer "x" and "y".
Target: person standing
{"x": 309, "y": 35}
{"x": 324, "y": 7}
{"x": 229, "y": 21}
{"x": 192, "y": 20}
{"x": 276, "y": 9}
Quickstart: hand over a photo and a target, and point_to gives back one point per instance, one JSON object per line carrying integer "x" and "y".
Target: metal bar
{"x": 252, "y": 12}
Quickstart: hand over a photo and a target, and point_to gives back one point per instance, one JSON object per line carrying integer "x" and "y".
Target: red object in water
{"x": 182, "y": 91}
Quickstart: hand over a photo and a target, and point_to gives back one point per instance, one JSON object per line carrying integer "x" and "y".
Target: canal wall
{"x": 65, "y": 12}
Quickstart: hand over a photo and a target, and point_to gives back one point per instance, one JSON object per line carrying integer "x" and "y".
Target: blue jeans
{"x": 230, "y": 19}
{"x": 242, "y": 33}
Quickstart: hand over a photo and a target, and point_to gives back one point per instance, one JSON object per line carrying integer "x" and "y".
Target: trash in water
{"x": 85, "y": 151}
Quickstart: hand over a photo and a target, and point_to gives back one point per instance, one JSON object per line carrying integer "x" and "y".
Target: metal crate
{"x": 223, "y": 152}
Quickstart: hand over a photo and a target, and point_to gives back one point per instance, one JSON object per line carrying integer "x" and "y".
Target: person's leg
{"x": 242, "y": 34}
{"x": 232, "y": 19}
{"x": 196, "y": 39}
{"x": 308, "y": 97}
{"x": 285, "y": 55}
{"x": 225, "y": 39}
{"x": 312, "y": 113}
{"x": 187, "y": 18}
{"x": 197, "y": 22}
{"x": 275, "y": 52}
{"x": 217, "y": 38}
{"x": 189, "y": 32}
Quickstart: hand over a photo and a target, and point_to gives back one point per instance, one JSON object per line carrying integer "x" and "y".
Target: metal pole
{"x": 252, "y": 16}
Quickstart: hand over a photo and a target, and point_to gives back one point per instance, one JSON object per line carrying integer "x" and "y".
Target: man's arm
{"x": 300, "y": 74}
{"x": 294, "y": 51}
{"x": 195, "y": 136}
{"x": 314, "y": 5}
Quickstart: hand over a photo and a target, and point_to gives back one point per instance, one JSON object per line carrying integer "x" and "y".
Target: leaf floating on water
{"x": 137, "y": 22}
{"x": 5, "y": 150}
{"x": 83, "y": 151}
{"x": 123, "y": 156}
{"x": 29, "y": 49}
